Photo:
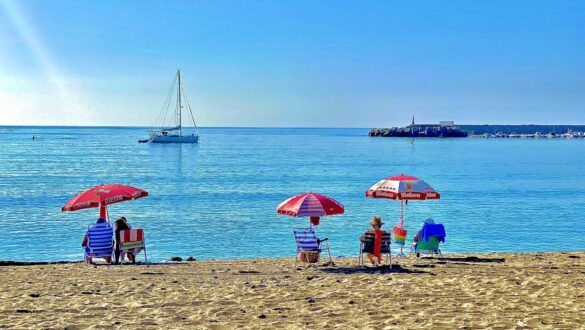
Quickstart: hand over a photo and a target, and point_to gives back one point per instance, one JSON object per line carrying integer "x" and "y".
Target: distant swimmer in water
{"x": 34, "y": 138}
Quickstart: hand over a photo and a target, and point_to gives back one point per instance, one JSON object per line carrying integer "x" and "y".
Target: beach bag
{"x": 315, "y": 221}
{"x": 399, "y": 235}
{"x": 309, "y": 257}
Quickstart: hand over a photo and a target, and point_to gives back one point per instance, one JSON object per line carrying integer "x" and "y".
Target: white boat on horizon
{"x": 174, "y": 131}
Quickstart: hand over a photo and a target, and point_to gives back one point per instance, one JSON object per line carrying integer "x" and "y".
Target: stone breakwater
{"x": 483, "y": 131}
{"x": 419, "y": 131}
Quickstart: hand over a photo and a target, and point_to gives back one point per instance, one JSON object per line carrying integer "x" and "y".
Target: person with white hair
{"x": 428, "y": 221}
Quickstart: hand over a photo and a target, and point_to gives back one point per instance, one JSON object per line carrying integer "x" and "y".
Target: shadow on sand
{"x": 10, "y": 263}
{"x": 444, "y": 260}
{"x": 396, "y": 269}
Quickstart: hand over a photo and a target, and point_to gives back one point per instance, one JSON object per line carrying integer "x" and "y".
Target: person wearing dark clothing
{"x": 101, "y": 232}
{"x": 376, "y": 224}
{"x": 122, "y": 224}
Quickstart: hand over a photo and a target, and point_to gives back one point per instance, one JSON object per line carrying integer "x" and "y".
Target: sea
{"x": 218, "y": 199}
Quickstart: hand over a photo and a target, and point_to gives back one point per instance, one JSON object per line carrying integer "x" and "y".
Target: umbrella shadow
{"x": 473, "y": 259}
{"x": 10, "y": 263}
{"x": 141, "y": 264}
{"x": 396, "y": 269}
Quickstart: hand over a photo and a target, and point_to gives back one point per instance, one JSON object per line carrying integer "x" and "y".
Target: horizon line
{"x": 286, "y": 127}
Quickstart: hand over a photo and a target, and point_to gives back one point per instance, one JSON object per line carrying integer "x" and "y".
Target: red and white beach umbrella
{"x": 404, "y": 188}
{"x": 103, "y": 195}
{"x": 310, "y": 205}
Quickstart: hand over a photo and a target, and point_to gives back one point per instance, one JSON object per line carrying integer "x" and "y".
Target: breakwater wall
{"x": 475, "y": 130}
{"x": 521, "y": 129}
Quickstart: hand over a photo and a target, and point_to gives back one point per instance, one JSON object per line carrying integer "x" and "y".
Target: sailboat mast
{"x": 179, "y": 96}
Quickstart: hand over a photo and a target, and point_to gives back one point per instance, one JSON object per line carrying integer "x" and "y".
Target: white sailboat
{"x": 173, "y": 131}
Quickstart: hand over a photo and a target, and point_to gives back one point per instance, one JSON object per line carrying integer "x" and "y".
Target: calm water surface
{"x": 218, "y": 199}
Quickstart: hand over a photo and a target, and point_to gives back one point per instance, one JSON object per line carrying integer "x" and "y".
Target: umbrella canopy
{"x": 310, "y": 205}
{"x": 402, "y": 187}
{"x": 103, "y": 195}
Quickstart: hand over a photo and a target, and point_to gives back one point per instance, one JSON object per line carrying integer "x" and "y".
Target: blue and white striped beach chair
{"x": 309, "y": 246}
{"x": 100, "y": 243}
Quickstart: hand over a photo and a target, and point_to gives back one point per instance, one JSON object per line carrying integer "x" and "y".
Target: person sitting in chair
{"x": 428, "y": 238}
{"x": 428, "y": 221}
{"x": 101, "y": 227}
{"x": 376, "y": 224}
{"x": 122, "y": 224}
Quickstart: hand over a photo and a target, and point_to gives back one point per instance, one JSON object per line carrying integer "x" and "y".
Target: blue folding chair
{"x": 100, "y": 243}
{"x": 309, "y": 246}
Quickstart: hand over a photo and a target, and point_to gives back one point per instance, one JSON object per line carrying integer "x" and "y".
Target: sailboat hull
{"x": 175, "y": 139}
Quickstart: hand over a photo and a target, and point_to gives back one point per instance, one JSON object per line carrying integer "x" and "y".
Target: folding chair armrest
{"x": 323, "y": 240}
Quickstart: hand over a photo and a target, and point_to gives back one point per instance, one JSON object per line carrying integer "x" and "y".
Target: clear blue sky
{"x": 293, "y": 63}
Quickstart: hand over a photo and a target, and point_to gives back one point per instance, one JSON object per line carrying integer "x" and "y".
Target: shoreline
{"x": 498, "y": 290}
{"x": 170, "y": 260}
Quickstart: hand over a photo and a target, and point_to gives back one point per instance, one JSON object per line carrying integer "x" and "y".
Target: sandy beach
{"x": 536, "y": 290}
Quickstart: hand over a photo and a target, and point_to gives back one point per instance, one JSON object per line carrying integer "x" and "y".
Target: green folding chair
{"x": 429, "y": 248}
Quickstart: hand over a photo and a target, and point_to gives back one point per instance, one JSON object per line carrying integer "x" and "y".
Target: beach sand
{"x": 537, "y": 290}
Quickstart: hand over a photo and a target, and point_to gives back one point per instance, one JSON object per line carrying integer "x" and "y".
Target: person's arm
{"x": 363, "y": 237}
{"x": 84, "y": 242}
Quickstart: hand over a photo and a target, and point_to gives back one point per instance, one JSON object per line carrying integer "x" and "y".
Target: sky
{"x": 293, "y": 63}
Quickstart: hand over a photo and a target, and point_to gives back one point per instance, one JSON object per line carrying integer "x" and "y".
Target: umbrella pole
{"x": 104, "y": 212}
{"x": 401, "y": 223}
{"x": 401, "y": 214}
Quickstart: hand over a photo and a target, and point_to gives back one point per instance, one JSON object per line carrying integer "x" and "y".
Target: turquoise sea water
{"x": 218, "y": 199}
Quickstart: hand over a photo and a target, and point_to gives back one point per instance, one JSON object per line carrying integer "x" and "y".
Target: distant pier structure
{"x": 448, "y": 129}
{"x": 444, "y": 129}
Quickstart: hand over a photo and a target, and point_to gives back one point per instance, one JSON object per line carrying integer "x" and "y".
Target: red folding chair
{"x": 132, "y": 241}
